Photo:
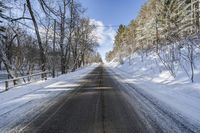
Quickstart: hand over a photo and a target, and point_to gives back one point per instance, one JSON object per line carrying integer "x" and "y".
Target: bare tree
{"x": 42, "y": 54}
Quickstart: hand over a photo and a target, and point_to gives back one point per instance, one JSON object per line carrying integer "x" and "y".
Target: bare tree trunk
{"x": 42, "y": 54}
{"x": 191, "y": 56}
{"x": 62, "y": 46}
{"x": 71, "y": 26}
{"x": 8, "y": 66}
{"x": 62, "y": 37}
{"x": 0, "y": 64}
{"x": 54, "y": 47}
{"x": 82, "y": 60}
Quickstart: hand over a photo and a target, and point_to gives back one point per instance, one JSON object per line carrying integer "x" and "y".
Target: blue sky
{"x": 110, "y": 12}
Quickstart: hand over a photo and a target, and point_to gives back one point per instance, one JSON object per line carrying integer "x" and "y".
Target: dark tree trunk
{"x": 83, "y": 60}
{"x": 63, "y": 68}
{"x": 42, "y": 54}
{"x": 62, "y": 37}
{"x": 0, "y": 64}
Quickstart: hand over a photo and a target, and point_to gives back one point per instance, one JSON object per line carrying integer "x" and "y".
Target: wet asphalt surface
{"x": 97, "y": 106}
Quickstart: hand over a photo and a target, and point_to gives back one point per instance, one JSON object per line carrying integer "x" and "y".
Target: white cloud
{"x": 105, "y": 37}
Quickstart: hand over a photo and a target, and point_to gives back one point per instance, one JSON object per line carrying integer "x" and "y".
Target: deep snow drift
{"x": 149, "y": 75}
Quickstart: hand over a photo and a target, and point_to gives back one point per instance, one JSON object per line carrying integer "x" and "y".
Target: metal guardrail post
{"x": 15, "y": 82}
{"x": 6, "y": 85}
{"x": 45, "y": 76}
{"x": 29, "y": 78}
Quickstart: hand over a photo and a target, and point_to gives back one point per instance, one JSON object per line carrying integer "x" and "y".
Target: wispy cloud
{"x": 105, "y": 37}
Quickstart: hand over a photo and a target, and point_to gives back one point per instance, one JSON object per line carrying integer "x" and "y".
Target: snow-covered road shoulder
{"x": 182, "y": 100}
{"x": 20, "y": 105}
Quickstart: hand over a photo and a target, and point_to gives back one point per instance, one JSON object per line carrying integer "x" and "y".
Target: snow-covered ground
{"x": 19, "y": 105}
{"x": 149, "y": 76}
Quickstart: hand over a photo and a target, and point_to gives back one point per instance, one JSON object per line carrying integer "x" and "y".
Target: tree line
{"x": 169, "y": 28}
{"x": 45, "y": 35}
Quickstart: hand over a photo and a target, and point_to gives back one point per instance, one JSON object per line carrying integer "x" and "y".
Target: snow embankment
{"x": 19, "y": 105}
{"x": 149, "y": 75}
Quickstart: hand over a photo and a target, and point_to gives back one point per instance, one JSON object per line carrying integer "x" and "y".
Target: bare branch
{"x": 16, "y": 19}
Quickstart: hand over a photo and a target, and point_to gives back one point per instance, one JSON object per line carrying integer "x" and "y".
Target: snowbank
{"x": 149, "y": 74}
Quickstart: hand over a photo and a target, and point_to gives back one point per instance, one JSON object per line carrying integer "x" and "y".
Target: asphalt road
{"x": 97, "y": 106}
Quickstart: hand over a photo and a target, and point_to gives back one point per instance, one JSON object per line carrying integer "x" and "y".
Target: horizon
{"x": 102, "y": 13}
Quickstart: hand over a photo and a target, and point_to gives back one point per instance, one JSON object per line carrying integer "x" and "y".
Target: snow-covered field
{"x": 19, "y": 105}
{"x": 149, "y": 76}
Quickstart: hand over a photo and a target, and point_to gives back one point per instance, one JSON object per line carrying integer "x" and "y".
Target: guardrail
{"x": 26, "y": 79}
